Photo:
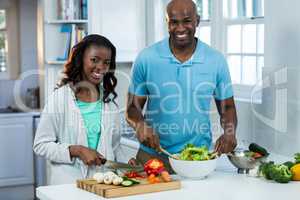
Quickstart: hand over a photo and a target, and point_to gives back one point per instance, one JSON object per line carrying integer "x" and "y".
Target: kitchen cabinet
{"x": 16, "y": 156}
{"x": 122, "y": 22}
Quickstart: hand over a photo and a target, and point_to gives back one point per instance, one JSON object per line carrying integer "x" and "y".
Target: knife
{"x": 118, "y": 165}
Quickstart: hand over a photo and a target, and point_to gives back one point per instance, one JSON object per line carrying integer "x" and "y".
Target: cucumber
{"x": 127, "y": 183}
{"x": 258, "y": 149}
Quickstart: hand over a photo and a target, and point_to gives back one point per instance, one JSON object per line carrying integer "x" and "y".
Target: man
{"x": 178, "y": 77}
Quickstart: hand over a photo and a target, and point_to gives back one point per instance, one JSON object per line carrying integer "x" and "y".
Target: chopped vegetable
{"x": 127, "y": 183}
{"x": 153, "y": 179}
{"x": 165, "y": 176}
{"x": 190, "y": 152}
{"x": 133, "y": 174}
{"x": 154, "y": 166}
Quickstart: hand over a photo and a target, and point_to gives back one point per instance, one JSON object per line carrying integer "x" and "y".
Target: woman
{"x": 80, "y": 124}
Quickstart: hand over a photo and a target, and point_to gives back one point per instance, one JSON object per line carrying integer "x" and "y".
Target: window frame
{"x": 12, "y": 33}
{"x": 218, "y": 24}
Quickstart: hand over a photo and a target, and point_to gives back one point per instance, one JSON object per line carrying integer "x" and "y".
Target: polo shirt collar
{"x": 198, "y": 56}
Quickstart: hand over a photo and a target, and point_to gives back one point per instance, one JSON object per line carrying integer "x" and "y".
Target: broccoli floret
{"x": 297, "y": 158}
{"x": 289, "y": 164}
{"x": 281, "y": 174}
{"x": 266, "y": 169}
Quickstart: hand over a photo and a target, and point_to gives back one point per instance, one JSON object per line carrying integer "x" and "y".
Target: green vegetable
{"x": 289, "y": 164}
{"x": 259, "y": 149}
{"x": 278, "y": 173}
{"x": 127, "y": 183}
{"x": 297, "y": 158}
{"x": 134, "y": 181}
{"x": 281, "y": 174}
{"x": 190, "y": 152}
{"x": 265, "y": 169}
{"x": 249, "y": 154}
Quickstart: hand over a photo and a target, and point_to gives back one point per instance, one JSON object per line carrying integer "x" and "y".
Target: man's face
{"x": 182, "y": 23}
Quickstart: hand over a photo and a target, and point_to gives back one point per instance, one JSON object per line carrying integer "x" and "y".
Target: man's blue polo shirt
{"x": 179, "y": 94}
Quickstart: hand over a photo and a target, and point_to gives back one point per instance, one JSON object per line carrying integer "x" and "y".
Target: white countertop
{"x": 223, "y": 184}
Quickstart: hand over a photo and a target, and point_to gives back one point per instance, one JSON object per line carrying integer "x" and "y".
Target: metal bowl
{"x": 242, "y": 162}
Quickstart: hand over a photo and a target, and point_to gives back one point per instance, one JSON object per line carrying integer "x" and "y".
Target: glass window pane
{"x": 249, "y": 38}
{"x": 234, "y": 39}
{"x": 249, "y": 8}
{"x": 204, "y": 34}
{"x": 2, "y": 52}
{"x": 249, "y": 74}
{"x": 234, "y": 63}
{"x": 243, "y": 8}
{"x": 258, "y": 8}
{"x": 234, "y": 9}
{"x": 261, "y": 38}
{"x": 2, "y": 19}
{"x": 225, "y": 8}
{"x": 204, "y": 8}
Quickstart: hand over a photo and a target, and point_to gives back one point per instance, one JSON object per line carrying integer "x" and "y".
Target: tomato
{"x": 133, "y": 174}
{"x": 256, "y": 155}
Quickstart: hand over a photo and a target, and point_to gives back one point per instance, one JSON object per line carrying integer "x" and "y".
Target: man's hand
{"x": 225, "y": 143}
{"x": 87, "y": 155}
{"x": 147, "y": 136}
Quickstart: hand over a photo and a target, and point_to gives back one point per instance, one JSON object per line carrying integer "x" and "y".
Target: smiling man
{"x": 178, "y": 77}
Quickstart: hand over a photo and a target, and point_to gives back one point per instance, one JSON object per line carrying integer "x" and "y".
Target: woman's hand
{"x": 87, "y": 155}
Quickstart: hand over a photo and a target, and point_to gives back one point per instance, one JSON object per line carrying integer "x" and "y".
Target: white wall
{"x": 28, "y": 52}
{"x": 279, "y": 127}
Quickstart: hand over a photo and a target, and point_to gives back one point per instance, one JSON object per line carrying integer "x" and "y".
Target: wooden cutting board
{"x": 109, "y": 191}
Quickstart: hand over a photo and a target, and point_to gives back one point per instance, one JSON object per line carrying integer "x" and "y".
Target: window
{"x": 3, "y": 41}
{"x": 236, "y": 27}
{"x": 244, "y": 36}
{"x": 204, "y": 30}
{"x": 9, "y": 40}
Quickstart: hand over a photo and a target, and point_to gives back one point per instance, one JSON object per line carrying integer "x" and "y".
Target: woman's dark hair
{"x": 73, "y": 69}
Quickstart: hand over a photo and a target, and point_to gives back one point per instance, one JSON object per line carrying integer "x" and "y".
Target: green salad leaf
{"x": 191, "y": 152}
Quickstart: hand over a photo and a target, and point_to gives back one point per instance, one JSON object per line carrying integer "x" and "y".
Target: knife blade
{"x": 119, "y": 165}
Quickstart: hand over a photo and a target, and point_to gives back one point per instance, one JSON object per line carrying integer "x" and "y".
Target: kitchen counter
{"x": 223, "y": 184}
{"x": 218, "y": 186}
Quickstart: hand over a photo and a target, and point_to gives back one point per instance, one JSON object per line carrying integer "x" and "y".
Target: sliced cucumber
{"x": 127, "y": 183}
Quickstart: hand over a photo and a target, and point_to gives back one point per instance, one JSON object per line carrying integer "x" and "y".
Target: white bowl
{"x": 193, "y": 169}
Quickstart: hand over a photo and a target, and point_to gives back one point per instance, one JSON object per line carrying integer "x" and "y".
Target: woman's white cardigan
{"x": 62, "y": 125}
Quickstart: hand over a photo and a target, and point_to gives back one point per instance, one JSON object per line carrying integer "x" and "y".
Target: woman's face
{"x": 96, "y": 62}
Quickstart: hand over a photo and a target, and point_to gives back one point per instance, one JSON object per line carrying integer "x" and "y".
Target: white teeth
{"x": 181, "y": 36}
{"x": 96, "y": 75}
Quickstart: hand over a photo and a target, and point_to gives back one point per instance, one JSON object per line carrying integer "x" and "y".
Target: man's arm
{"x": 228, "y": 119}
{"x": 135, "y": 118}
